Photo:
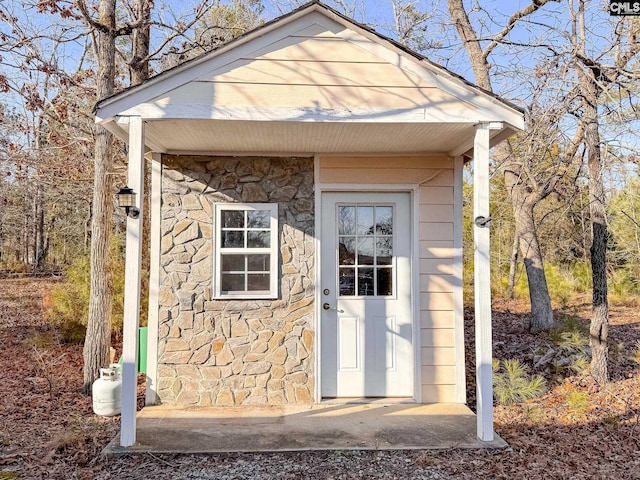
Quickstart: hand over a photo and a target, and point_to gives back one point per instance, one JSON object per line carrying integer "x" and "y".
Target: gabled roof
{"x": 312, "y": 65}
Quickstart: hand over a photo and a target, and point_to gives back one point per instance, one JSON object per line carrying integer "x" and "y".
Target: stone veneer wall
{"x": 232, "y": 352}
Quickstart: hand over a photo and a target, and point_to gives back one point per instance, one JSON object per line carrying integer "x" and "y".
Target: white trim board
{"x": 412, "y": 190}
{"x": 414, "y": 198}
{"x": 318, "y": 278}
{"x": 458, "y": 292}
{"x": 201, "y": 111}
{"x": 154, "y": 280}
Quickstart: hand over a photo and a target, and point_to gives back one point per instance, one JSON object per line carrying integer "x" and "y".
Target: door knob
{"x": 326, "y": 306}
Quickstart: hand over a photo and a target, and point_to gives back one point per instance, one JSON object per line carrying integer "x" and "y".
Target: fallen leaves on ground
{"x": 577, "y": 430}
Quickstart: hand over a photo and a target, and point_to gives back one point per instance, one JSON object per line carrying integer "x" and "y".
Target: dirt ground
{"x": 577, "y": 430}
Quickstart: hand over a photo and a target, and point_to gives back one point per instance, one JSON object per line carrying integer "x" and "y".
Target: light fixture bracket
{"x": 482, "y": 222}
{"x": 132, "y": 212}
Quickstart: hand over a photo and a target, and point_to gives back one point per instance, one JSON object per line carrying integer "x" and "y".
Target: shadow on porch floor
{"x": 327, "y": 426}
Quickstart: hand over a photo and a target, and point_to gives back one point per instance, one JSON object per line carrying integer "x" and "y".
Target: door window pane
{"x": 384, "y": 281}
{"x": 365, "y": 251}
{"x": 384, "y": 220}
{"x": 346, "y": 220}
{"x": 384, "y": 250}
{"x": 366, "y": 282}
{"x": 347, "y": 251}
{"x": 365, "y": 221}
{"x": 347, "y": 281}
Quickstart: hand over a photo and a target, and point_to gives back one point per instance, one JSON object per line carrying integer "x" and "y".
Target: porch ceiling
{"x": 227, "y": 136}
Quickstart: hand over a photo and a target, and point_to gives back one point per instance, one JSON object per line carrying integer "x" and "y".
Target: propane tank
{"x": 106, "y": 392}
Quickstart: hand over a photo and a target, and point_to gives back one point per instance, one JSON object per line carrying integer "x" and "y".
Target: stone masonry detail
{"x": 234, "y": 352}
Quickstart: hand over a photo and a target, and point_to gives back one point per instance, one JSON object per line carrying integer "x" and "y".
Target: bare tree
{"x": 525, "y": 192}
{"x": 600, "y": 74}
{"x": 47, "y": 148}
{"x": 98, "y": 337}
{"x": 592, "y": 62}
{"x": 412, "y": 25}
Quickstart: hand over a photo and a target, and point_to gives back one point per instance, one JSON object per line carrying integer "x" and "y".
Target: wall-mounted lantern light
{"x": 127, "y": 200}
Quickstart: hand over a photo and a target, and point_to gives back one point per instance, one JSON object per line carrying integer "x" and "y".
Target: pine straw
{"x": 578, "y": 430}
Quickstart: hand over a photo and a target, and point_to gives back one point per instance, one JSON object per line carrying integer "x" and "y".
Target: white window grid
{"x": 272, "y": 251}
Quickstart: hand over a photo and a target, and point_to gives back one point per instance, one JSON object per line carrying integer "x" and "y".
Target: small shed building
{"x": 306, "y": 221}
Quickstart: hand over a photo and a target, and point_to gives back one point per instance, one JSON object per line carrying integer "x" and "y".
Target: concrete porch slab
{"x": 350, "y": 426}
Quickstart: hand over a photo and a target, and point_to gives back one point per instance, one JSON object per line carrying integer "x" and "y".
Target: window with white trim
{"x": 246, "y": 250}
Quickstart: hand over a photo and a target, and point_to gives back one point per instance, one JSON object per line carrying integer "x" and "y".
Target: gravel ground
{"x": 334, "y": 465}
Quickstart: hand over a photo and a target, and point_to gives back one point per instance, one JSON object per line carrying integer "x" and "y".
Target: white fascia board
{"x": 197, "y": 111}
{"x": 190, "y": 71}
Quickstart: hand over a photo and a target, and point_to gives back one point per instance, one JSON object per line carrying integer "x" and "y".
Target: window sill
{"x": 246, "y": 296}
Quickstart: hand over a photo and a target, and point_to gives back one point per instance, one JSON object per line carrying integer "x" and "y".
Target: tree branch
{"x": 513, "y": 21}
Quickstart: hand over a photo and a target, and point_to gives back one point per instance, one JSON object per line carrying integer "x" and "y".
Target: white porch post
{"x": 133, "y": 261}
{"x": 482, "y": 285}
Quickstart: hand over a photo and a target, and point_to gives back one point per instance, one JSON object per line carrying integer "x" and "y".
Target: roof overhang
{"x": 196, "y": 136}
{"x": 178, "y": 120}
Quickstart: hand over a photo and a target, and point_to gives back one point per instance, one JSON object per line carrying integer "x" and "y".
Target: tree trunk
{"x": 600, "y": 309}
{"x": 39, "y": 236}
{"x": 513, "y": 266}
{"x": 38, "y": 208}
{"x": 523, "y": 204}
{"x": 541, "y": 310}
{"x": 140, "y": 73}
{"x": 141, "y": 39}
{"x": 34, "y": 230}
{"x": 98, "y": 336}
{"x": 87, "y": 232}
{"x": 25, "y": 236}
{"x": 590, "y": 89}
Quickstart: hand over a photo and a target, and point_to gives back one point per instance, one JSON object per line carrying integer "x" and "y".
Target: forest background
{"x": 570, "y": 179}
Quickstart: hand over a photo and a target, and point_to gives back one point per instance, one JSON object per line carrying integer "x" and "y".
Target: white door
{"x": 366, "y": 330}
